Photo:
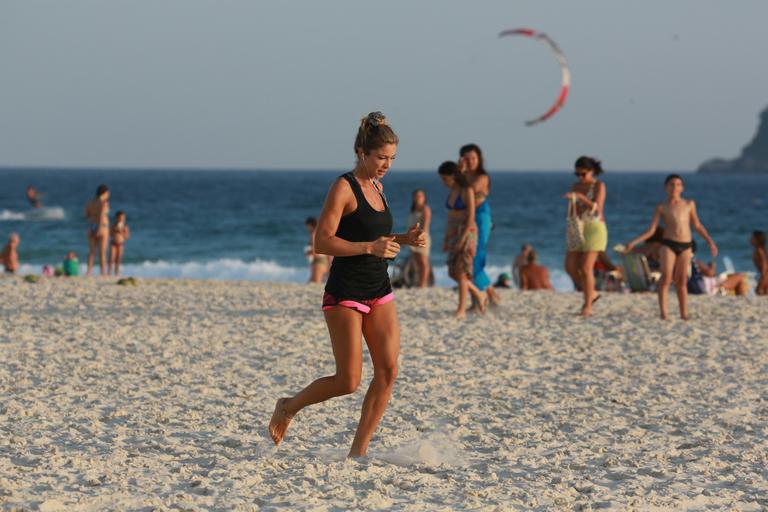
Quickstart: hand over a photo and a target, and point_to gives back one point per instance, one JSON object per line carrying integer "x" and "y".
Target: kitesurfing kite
{"x": 565, "y": 72}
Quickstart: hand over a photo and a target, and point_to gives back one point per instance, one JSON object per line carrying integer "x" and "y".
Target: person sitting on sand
{"x": 33, "y": 197}
{"x": 460, "y": 239}
{"x": 534, "y": 276}
{"x": 71, "y": 265}
{"x": 10, "y": 255}
{"x": 503, "y": 281}
{"x": 651, "y": 249}
{"x": 608, "y": 276}
{"x": 519, "y": 262}
{"x": 735, "y": 284}
{"x": 355, "y": 227}
{"x": 319, "y": 264}
{"x": 679, "y": 215}
{"x": 119, "y": 233}
{"x": 97, "y": 214}
{"x": 760, "y": 259}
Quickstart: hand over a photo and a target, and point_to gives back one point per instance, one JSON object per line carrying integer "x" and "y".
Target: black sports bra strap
{"x": 356, "y": 188}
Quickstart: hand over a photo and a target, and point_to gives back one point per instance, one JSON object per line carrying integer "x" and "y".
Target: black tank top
{"x": 364, "y": 276}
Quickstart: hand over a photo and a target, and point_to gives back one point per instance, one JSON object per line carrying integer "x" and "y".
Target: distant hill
{"x": 753, "y": 158}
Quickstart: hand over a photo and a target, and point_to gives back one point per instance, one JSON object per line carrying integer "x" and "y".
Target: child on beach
{"x": 760, "y": 259}
{"x": 10, "y": 256}
{"x": 679, "y": 215}
{"x": 319, "y": 264}
{"x": 71, "y": 265}
{"x": 119, "y": 233}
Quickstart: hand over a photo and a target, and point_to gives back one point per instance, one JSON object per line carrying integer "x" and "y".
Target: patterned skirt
{"x": 460, "y": 255}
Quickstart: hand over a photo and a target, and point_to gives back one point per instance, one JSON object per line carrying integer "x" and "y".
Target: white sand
{"x": 157, "y": 397}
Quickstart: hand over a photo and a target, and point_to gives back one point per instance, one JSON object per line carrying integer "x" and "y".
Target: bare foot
{"x": 664, "y": 316}
{"x": 460, "y": 314}
{"x": 279, "y": 422}
{"x": 586, "y": 312}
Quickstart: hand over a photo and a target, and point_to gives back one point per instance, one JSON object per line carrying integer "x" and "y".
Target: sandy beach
{"x": 157, "y": 397}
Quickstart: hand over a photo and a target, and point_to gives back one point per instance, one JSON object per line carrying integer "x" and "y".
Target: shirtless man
{"x": 760, "y": 259}
{"x": 534, "y": 276}
{"x": 97, "y": 214}
{"x": 10, "y": 257}
{"x": 678, "y": 215}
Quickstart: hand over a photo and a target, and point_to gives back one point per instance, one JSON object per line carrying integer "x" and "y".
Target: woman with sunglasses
{"x": 588, "y": 196}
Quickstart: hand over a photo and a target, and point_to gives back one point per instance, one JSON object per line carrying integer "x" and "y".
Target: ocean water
{"x": 249, "y": 225}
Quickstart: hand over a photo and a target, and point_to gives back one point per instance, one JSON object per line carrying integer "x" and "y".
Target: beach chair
{"x": 637, "y": 273}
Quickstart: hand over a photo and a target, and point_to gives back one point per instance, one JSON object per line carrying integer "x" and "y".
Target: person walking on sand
{"x": 471, "y": 164}
{"x": 678, "y": 215}
{"x": 760, "y": 259}
{"x": 421, "y": 214}
{"x": 119, "y": 233}
{"x": 587, "y": 201}
{"x": 355, "y": 227}
{"x": 97, "y": 215}
{"x": 460, "y": 240}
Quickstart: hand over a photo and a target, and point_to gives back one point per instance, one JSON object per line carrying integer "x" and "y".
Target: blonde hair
{"x": 374, "y": 132}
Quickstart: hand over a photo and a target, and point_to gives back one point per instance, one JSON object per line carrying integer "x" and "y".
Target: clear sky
{"x": 657, "y": 84}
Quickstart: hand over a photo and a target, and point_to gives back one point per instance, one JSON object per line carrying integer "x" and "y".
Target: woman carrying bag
{"x": 586, "y": 232}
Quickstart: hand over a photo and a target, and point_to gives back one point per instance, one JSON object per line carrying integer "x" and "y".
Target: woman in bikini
{"x": 678, "y": 215}
{"x": 460, "y": 240}
{"x": 97, "y": 215}
{"x": 471, "y": 164}
{"x": 588, "y": 193}
{"x": 355, "y": 228}
{"x": 120, "y": 233}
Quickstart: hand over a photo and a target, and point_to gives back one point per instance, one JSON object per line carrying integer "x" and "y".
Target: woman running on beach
{"x": 421, "y": 214}
{"x": 97, "y": 214}
{"x": 471, "y": 164}
{"x": 460, "y": 240}
{"x": 679, "y": 215}
{"x": 355, "y": 227}
{"x": 588, "y": 196}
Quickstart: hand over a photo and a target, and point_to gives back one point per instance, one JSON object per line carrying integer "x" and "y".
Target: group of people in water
{"x": 355, "y": 230}
{"x": 101, "y": 233}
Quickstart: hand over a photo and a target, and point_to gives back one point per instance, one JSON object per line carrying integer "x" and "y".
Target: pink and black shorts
{"x": 363, "y": 306}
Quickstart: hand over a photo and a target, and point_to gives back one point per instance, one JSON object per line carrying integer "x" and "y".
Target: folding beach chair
{"x": 637, "y": 273}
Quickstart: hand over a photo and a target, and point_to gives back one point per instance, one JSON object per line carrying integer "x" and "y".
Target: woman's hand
{"x": 385, "y": 247}
{"x": 713, "y": 249}
{"x": 416, "y": 236}
{"x": 575, "y": 195}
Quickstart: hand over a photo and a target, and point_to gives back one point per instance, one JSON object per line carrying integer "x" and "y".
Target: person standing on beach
{"x": 678, "y": 215}
{"x": 588, "y": 198}
{"x": 119, "y": 233}
{"x": 460, "y": 240}
{"x": 520, "y": 261}
{"x": 355, "y": 227}
{"x": 421, "y": 214}
{"x": 471, "y": 164}
{"x": 760, "y": 259}
{"x": 97, "y": 215}
{"x": 10, "y": 256}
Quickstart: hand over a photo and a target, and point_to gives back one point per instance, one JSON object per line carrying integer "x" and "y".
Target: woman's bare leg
{"x": 682, "y": 264}
{"x": 464, "y": 283}
{"x": 493, "y": 297}
{"x": 91, "y": 254}
{"x": 345, "y": 328}
{"x": 382, "y": 335}
{"x": 119, "y": 259}
{"x": 102, "y": 241}
{"x": 422, "y": 264}
{"x": 667, "y": 271}
{"x": 572, "y": 268}
{"x": 587, "y": 271}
